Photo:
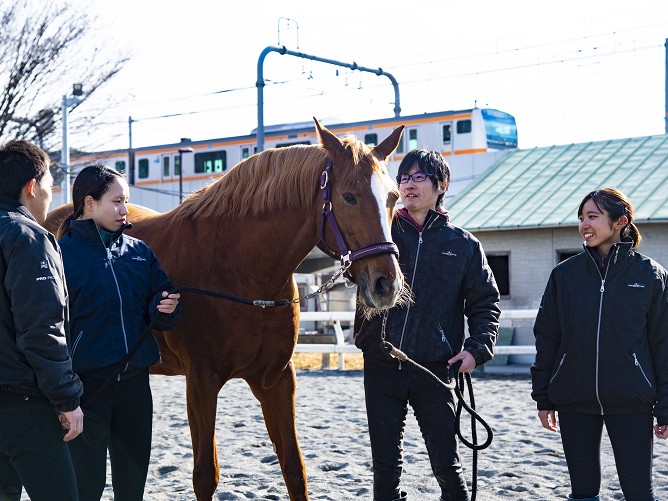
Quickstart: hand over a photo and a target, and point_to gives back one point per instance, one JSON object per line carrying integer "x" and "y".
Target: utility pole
{"x": 77, "y": 90}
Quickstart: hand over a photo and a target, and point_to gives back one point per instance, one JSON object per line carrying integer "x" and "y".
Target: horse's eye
{"x": 350, "y": 198}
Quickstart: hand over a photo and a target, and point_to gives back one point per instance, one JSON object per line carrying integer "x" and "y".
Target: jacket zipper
{"x": 635, "y": 361}
{"x": 598, "y": 325}
{"x": 408, "y": 308}
{"x": 561, "y": 362}
{"x": 120, "y": 299}
{"x": 76, "y": 341}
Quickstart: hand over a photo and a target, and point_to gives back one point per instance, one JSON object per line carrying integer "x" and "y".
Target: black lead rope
{"x": 461, "y": 403}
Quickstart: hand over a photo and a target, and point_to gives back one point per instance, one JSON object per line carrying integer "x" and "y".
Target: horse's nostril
{"x": 381, "y": 286}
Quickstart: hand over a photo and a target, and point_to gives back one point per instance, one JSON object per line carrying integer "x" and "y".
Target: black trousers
{"x": 632, "y": 441}
{"x": 120, "y": 421}
{"x": 32, "y": 451}
{"x": 388, "y": 392}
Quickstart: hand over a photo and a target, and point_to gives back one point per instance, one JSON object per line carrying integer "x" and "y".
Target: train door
{"x": 447, "y": 139}
{"x": 169, "y": 167}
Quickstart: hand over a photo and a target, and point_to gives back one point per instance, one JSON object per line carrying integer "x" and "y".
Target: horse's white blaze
{"x": 379, "y": 190}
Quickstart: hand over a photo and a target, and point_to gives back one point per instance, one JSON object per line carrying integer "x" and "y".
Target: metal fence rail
{"x": 335, "y": 318}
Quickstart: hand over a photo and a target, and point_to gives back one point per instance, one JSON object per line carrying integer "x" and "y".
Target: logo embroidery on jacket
{"x": 44, "y": 265}
{"x": 138, "y": 258}
{"x": 449, "y": 253}
{"x": 636, "y": 285}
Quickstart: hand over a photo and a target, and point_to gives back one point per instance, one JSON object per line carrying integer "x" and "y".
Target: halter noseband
{"x": 345, "y": 255}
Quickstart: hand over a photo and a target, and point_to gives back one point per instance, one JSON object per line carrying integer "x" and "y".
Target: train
{"x": 161, "y": 176}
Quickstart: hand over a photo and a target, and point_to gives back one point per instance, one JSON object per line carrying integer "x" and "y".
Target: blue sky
{"x": 569, "y": 71}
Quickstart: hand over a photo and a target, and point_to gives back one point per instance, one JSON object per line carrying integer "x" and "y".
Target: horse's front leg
{"x": 202, "y": 397}
{"x": 278, "y": 408}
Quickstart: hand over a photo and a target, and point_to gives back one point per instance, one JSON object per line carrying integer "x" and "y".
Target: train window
{"x": 371, "y": 139}
{"x": 500, "y": 265}
{"x": 412, "y": 139}
{"x": 120, "y": 165}
{"x": 463, "y": 126}
{"x": 211, "y": 161}
{"x": 177, "y": 165}
{"x": 245, "y": 152}
{"x": 143, "y": 168}
{"x": 447, "y": 133}
{"x": 165, "y": 166}
{"x": 400, "y": 146}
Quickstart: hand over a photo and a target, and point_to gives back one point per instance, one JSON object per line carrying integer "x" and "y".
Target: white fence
{"x": 341, "y": 347}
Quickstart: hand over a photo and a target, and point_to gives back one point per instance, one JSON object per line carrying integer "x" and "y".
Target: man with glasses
{"x": 39, "y": 393}
{"x": 447, "y": 271}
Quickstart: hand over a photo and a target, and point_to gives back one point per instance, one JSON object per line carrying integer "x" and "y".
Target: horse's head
{"x": 363, "y": 198}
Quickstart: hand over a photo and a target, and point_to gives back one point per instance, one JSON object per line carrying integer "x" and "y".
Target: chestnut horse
{"x": 244, "y": 235}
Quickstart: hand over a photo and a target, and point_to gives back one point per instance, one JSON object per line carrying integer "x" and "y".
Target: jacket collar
{"x": 441, "y": 216}
{"x": 12, "y": 205}
{"x": 86, "y": 229}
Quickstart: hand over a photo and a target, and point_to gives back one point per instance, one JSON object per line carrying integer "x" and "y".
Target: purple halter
{"x": 345, "y": 256}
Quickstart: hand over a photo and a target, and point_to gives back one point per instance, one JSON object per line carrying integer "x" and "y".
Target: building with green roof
{"x": 524, "y": 209}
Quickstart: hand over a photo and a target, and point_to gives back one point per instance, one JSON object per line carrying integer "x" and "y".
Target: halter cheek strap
{"x": 345, "y": 255}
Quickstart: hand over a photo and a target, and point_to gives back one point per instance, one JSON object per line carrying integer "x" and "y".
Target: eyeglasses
{"x": 418, "y": 177}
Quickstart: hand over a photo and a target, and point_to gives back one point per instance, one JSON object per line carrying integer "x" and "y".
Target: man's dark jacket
{"x": 34, "y": 359}
{"x": 602, "y": 337}
{"x": 449, "y": 278}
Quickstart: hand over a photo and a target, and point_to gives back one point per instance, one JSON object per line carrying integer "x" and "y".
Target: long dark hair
{"x": 616, "y": 204}
{"x": 93, "y": 180}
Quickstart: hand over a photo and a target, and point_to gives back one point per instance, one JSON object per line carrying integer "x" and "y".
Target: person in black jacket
{"x": 602, "y": 350}
{"x": 39, "y": 392}
{"x": 450, "y": 279}
{"x": 117, "y": 289}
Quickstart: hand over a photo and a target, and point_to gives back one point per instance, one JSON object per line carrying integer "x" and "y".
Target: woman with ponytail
{"x": 116, "y": 290}
{"x": 602, "y": 351}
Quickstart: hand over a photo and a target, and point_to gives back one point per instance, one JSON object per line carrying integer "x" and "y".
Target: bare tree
{"x": 45, "y": 47}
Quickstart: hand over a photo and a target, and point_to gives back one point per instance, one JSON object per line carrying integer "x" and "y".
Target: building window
{"x": 120, "y": 165}
{"x": 211, "y": 161}
{"x": 563, "y": 255}
{"x": 371, "y": 139}
{"x": 143, "y": 168}
{"x": 463, "y": 126}
{"x": 500, "y": 265}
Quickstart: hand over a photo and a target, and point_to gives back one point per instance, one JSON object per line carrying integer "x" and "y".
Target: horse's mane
{"x": 274, "y": 179}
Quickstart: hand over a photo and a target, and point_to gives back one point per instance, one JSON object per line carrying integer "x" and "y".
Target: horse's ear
{"x": 385, "y": 149}
{"x": 331, "y": 143}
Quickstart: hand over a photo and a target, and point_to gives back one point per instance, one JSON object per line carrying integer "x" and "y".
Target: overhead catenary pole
{"x": 283, "y": 50}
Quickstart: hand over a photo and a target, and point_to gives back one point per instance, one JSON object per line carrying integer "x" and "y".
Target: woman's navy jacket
{"x": 114, "y": 292}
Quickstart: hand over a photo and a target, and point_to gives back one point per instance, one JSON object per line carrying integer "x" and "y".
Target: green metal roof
{"x": 543, "y": 187}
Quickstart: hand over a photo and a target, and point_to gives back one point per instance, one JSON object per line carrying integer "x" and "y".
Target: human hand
{"x": 661, "y": 431}
{"x": 468, "y": 362}
{"x": 168, "y": 302}
{"x": 548, "y": 419}
{"x": 73, "y": 422}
